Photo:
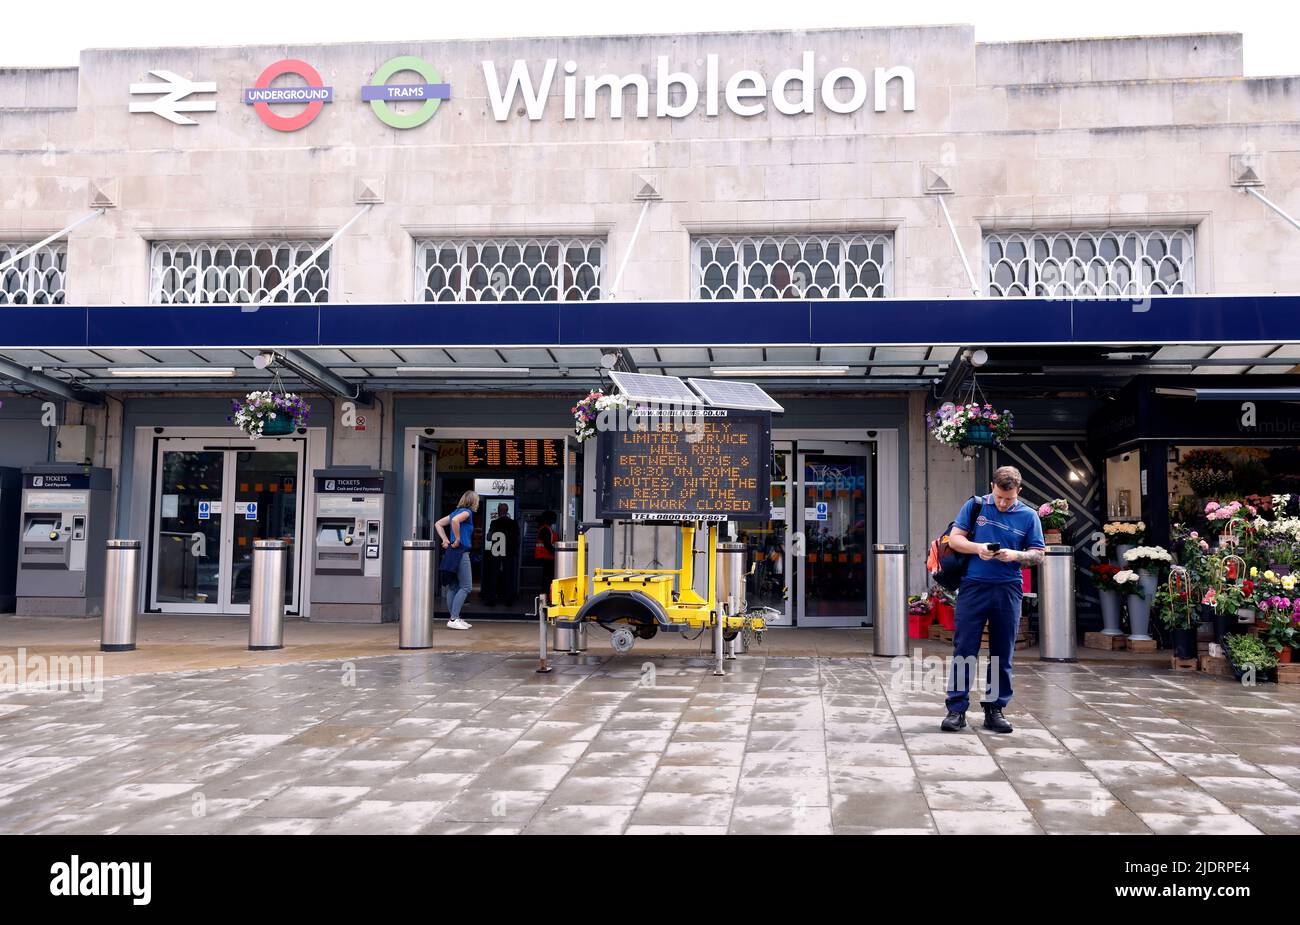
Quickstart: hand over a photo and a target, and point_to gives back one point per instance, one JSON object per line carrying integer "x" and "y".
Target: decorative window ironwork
{"x": 1113, "y": 262}
{"x": 37, "y": 279}
{"x": 856, "y": 266}
{"x": 184, "y": 272}
{"x": 509, "y": 269}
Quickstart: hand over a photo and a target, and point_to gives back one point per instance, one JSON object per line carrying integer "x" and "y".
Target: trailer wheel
{"x": 622, "y": 639}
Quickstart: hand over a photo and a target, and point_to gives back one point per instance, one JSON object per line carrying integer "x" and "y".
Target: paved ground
{"x": 478, "y": 742}
{"x": 169, "y": 642}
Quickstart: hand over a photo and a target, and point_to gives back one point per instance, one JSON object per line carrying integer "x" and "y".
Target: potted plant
{"x": 1139, "y": 607}
{"x": 1246, "y": 653}
{"x": 919, "y": 616}
{"x": 1103, "y": 579}
{"x": 1280, "y": 632}
{"x": 268, "y": 414}
{"x": 1208, "y": 472}
{"x": 1177, "y": 613}
{"x": 1054, "y": 514}
{"x": 945, "y": 606}
{"x": 1123, "y": 536}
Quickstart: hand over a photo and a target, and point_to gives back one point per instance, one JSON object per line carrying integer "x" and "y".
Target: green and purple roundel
{"x": 379, "y": 93}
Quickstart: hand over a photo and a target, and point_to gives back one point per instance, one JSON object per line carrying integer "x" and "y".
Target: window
{"x": 37, "y": 279}
{"x": 1134, "y": 262}
{"x": 184, "y": 272}
{"x": 859, "y": 266}
{"x": 509, "y": 269}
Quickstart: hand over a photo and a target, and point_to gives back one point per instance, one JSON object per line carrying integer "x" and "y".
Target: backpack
{"x": 946, "y": 566}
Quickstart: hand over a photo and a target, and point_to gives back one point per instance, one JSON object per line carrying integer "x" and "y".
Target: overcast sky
{"x": 54, "y": 33}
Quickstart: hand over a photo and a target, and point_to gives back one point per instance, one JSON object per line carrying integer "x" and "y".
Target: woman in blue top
{"x": 455, "y": 565}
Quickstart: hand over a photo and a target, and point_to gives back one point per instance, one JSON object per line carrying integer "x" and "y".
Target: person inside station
{"x": 501, "y": 559}
{"x": 544, "y": 548}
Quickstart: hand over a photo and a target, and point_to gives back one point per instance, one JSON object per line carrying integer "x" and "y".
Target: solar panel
{"x": 743, "y": 396}
{"x": 662, "y": 389}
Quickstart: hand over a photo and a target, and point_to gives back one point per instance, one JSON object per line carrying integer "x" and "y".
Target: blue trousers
{"x": 996, "y": 603}
{"x": 457, "y": 585}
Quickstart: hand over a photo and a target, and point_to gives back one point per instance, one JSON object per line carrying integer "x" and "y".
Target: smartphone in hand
{"x": 994, "y": 547}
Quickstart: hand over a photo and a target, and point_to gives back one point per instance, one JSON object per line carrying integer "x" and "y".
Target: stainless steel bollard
{"x": 121, "y": 596}
{"x": 890, "y": 630}
{"x": 730, "y": 584}
{"x": 1056, "y": 620}
{"x": 566, "y": 566}
{"x": 266, "y": 605}
{"x": 416, "y": 630}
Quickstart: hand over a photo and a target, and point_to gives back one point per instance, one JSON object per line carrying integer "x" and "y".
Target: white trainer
{"x": 458, "y": 624}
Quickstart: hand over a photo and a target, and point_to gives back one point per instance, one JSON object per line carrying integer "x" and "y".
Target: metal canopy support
{"x": 1272, "y": 205}
{"x": 47, "y": 385}
{"x": 953, "y": 379}
{"x": 618, "y": 277}
{"x": 54, "y": 237}
{"x": 956, "y": 242}
{"x": 323, "y": 378}
{"x": 311, "y": 259}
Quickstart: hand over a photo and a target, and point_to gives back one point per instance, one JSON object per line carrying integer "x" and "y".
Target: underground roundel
{"x": 262, "y": 96}
{"x": 380, "y": 93}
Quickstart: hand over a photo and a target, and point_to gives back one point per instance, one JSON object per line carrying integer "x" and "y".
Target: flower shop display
{"x": 945, "y": 606}
{"x": 1108, "y": 591}
{"x": 970, "y": 425}
{"x": 1139, "y": 606}
{"x": 920, "y": 614}
{"x": 267, "y": 413}
{"x": 587, "y": 411}
{"x": 1054, "y": 514}
{"x": 1176, "y": 610}
{"x": 1149, "y": 562}
{"x": 1279, "y": 626}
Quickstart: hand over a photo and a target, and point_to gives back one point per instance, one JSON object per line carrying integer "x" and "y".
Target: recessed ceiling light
{"x": 172, "y": 372}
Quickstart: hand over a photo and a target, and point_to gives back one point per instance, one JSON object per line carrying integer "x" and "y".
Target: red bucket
{"x": 947, "y": 615}
{"x": 918, "y": 625}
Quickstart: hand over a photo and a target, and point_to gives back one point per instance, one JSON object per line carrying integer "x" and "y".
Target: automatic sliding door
{"x": 835, "y": 515}
{"x": 187, "y": 540}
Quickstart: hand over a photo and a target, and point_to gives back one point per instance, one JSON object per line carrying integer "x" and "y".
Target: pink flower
{"x": 1212, "y": 506}
{"x": 1205, "y": 547}
{"x": 1044, "y": 510}
{"x": 1194, "y": 535}
{"x": 993, "y": 416}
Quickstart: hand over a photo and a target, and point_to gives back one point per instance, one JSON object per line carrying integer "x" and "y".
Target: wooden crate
{"x": 1183, "y": 664}
{"x": 1024, "y": 638}
{"x": 1288, "y": 674}
{"x": 1216, "y": 665}
{"x": 1142, "y": 645}
{"x": 1104, "y": 642}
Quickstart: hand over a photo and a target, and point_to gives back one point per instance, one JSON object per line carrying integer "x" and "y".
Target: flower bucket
{"x": 1110, "y": 613}
{"x": 978, "y": 433}
{"x": 947, "y": 615}
{"x": 1185, "y": 642}
{"x": 1139, "y": 616}
{"x": 918, "y": 625}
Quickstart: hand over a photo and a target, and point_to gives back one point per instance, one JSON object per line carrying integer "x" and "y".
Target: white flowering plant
{"x": 1125, "y": 577}
{"x": 273, "y": 412}
{"x": 587, "y": 411}
{"x": 1148, "y": 558}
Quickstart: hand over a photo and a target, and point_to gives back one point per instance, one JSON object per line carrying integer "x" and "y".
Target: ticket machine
{"x": 10, "y": 499}
{"x": 63, "y": 527}
{"x": 352, "y": 555}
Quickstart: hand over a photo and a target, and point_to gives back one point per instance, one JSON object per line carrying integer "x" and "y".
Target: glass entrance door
{"x": 212, "y": 499}
{"x": 834, "y": 513}
{"x": 768, "y": 554}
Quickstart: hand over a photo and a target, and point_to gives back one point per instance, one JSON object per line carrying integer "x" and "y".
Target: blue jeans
{"x": 996, "y": 603}
{"x": 456, "y": 587}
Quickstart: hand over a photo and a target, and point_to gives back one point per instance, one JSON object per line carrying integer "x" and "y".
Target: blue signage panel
{"x": 435, "y": 323}
{"x": 201, "y": 325}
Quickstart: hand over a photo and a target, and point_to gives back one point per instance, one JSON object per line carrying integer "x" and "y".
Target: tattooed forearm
{"x": 1031, "y": 557}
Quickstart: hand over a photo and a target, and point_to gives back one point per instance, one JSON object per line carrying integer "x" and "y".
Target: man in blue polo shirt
{"x": 990, "y": 593}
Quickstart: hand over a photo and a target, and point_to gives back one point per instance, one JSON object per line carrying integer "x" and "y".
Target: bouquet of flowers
{"x": 259, "y": 411}
{"x": 1148, "y": 558}
{"x": 586, "y": 411}
{"x": 1173, "y": 609}
{"x": 1103, "y": 576}
{"x": 1207, "y": 471}
{"x": 1120, "y": 531}
{"x": 1054, "y": 514}
{"x": 1126, "y": 577}
{"x": 960, "y": 425}
{"x": 1228, "y": 510}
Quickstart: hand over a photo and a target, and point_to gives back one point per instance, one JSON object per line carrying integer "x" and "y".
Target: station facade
{"x": 444, "y": 245}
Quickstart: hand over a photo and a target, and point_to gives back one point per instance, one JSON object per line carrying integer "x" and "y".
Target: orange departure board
{"x": 694, "y": 468}
{"x": 513, "y": 454}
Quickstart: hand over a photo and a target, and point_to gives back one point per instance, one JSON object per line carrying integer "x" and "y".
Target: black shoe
{"x": 953, "y": 722}
{"x": 995, "y": 721}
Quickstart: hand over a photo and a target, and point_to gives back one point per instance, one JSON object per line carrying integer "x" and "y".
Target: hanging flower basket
{"x": 268, "y": 414}
{"x": 587, "y": 411}
{"x": 970, "y": 425}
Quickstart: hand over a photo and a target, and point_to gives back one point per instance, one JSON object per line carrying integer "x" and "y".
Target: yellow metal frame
{"x": 683, "y": 607}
